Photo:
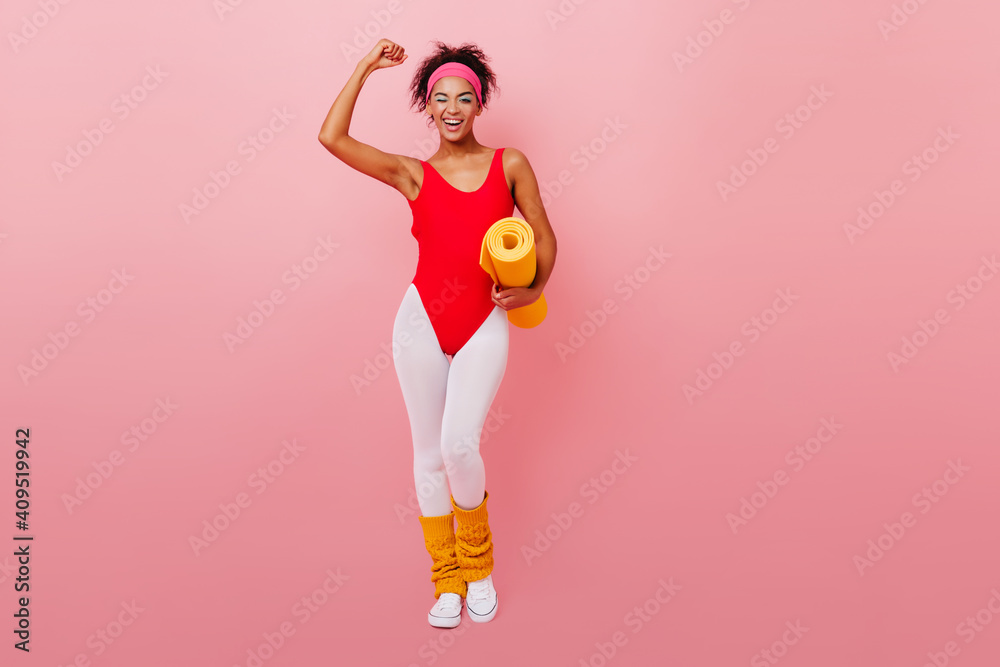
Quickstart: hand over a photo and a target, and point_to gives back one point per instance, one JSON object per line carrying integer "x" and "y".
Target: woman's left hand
{"x": 514, "y": 297}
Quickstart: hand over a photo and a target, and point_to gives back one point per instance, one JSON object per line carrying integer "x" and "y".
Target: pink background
{"x": 341, "y": 504}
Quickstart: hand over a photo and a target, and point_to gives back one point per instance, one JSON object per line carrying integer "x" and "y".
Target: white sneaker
{"x": 446, "y": 612}
{"x": 481, "y": 600}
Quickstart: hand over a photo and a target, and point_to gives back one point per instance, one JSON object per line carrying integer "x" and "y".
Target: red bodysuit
{"x": 449, "y": 225}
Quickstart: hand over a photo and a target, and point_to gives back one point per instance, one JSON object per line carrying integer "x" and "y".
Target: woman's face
{"x": 453, "y": 98}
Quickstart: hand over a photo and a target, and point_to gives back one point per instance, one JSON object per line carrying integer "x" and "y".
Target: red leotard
{"x": 449, "y": 225}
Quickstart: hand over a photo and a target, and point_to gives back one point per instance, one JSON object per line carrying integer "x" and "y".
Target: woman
{"x": 450, "y": 333}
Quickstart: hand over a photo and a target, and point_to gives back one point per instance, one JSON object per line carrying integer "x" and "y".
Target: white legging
{"x": 447, "y": 403}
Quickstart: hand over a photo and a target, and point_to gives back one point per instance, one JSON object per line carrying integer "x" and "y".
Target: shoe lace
{"x": 478, "y": 591}
{"x": 449, "y": 602}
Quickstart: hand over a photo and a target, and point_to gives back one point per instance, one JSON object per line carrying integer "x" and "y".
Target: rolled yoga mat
{"x": 508, "y": 255}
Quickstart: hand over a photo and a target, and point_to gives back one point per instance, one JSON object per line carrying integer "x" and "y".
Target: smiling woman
{"x": 450, "y": 335}
{"x": 473, "y": 82}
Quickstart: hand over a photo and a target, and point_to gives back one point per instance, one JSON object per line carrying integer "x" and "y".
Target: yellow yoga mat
{"x": 508, "y": 255}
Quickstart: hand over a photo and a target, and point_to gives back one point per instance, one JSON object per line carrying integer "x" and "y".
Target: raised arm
{"x": 386, "y": 167}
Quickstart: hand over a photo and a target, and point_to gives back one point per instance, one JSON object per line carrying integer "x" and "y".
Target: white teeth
{"x": 453, "y": 122}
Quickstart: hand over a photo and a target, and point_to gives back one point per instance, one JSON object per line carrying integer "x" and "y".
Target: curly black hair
{"x": 467, "y": 54}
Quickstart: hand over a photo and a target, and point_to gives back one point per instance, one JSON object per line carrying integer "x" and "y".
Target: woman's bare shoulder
{"x": 513, "y": 155}
{"x": 515, "y": 161}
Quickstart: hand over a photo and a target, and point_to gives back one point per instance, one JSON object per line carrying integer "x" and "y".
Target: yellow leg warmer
{"x": 439, "y": 538}
{"x": 473, "y": 541}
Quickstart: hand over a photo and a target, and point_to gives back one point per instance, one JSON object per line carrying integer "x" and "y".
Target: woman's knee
{"x": 428, "y": 461}
{"x": 460, "y": 453}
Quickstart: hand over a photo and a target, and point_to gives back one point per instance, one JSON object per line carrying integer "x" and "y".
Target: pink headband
{"x": 455, "y": 69}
